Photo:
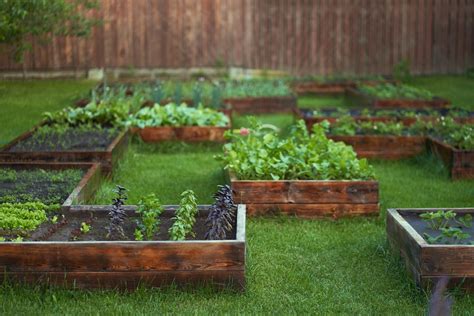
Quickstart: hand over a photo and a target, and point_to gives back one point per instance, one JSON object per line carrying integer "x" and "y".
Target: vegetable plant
{"x": 185, "y": 217}
{"x": 177, "y": 115}
{"x": 149, "y": 208}
{"x": 22, "y": 216}
{"x": 117, "y": 214}
{"x": 85, "y": 228}
{"x": 391, "y": 91}
{"x": 221, "y": 214}
{"x": 261, "y": 154}
{"x": 449, "y": 225}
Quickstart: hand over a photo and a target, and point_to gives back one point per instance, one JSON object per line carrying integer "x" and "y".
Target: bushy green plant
{"x": 263, "y": 155}
{"x": 104, "y": 114}
{"x": 458, "y": 135}
{"x": 22, "y": 216}
{"x": 177, "y": 115}
{"x": 149, "y": 208}
{"x": 449, "y": 224}
{"x": 185, "y": 217}
{"x": 391, "y": 91}
{"x": 347, "y": 125}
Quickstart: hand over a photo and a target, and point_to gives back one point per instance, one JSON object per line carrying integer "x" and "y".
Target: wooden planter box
{"x": 185, "y": 133}
{"x": 333, "y": 88}
{"x": 459, "y": 162}
{"x": 363, "y": 99}
{"x": 127, "y": 264}
{"x": 107, "y": 157}
{"x": 262, "y": 105}
{"x": 307, "y": 198}
{"x": 84, "y": 190}
{"x": 384, "y": 146}
{"x": 426, "y": 262}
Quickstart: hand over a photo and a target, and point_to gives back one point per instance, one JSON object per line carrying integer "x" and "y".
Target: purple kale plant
{"x": 221, "y": 214}
{"x": 117, "y": 214}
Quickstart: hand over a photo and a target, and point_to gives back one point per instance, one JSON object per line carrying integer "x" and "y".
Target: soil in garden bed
{"x": 68, "y": 228}
{"x": 47, "y": 186}
{"x": 422, "y": 227}
{"x": 68, "y": 140}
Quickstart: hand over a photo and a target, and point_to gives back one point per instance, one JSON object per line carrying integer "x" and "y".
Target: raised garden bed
{"x": 384, "y": 146}
{"x": 459, "y": 162}
{"x": 93, "y": 146}
{"x": 184, "y": 133}
{"x": 362, "y": 99}
{"x": 261, "y": 105}
{"x": 59, "y": 254}
{"x": 428, "y": 262}
{"x": 307, "y": 198}
{"x": 23, "y": 182}
{"x": 379, "y": 115}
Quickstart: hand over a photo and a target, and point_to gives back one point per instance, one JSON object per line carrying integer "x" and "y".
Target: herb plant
{"x": 263, "y": 155}
{"x": 185, "y": 217}
{"x": 117, "y": 214}
{"x": 221, "y": 214}
{"x": 149, "y": 208}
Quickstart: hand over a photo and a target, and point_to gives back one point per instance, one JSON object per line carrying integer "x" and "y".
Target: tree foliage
{"x": 22, "y": 20}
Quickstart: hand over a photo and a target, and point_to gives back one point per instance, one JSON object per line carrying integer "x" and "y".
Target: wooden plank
{"x": 305, "y": 191}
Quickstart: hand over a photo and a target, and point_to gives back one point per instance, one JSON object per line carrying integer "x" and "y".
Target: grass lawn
{"x": 293, "y": 266}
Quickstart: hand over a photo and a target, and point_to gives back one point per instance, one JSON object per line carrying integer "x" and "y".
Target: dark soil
{"x": 422, "y": 227}
{"x": 47, "y": 186}
{"x": 68, "y": 229}
{"x": 69, "y": 140}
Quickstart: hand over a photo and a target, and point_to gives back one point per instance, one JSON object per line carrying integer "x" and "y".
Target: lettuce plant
{"x": 261, "y": 154}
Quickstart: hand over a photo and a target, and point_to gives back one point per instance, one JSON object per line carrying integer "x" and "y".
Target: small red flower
{"x": 244, "y": 131}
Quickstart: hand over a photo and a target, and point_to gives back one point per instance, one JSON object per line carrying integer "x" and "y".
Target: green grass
{"x": 293, "y": 266}
{"x": 22, "y": 103}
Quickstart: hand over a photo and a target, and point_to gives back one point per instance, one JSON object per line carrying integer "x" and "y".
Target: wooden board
{"x": 307, "y": 198}
{"x": 85, "y": 189}
{"x": 427, "y": 262}
{"x": 363, "y": 99}
{"x": 185, "y": 133}
{"x": 384, "y": 146}
{"x": 125, "y": 264}
{"x": 459, "y": 162}
{"x": 107, "y": 157}
{"x": 263, "y": 105}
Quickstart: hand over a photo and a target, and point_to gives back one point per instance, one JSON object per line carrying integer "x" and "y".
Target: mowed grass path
{"x": 293, "y": 266}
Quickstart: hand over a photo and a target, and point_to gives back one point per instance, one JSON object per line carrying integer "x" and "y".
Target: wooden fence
{"x": 301, "y": 36}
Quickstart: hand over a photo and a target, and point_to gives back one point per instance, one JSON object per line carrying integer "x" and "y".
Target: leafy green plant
{"x": 221, "y": 214}
{"x": 177, "y": 115}
{"x": 24, "y": 20}
{"x": 149, "y": 208}
{"x": 391, "y": 91}
{"x": 85, "y": 228}
{"x": 262, "y": 155}
{"x": 256, "y": 88}
{"x": 449, "y": 224}
{"x": 185, "y": 217}
{"x": 458, "y": 135}
{"x": 22, "y": 216}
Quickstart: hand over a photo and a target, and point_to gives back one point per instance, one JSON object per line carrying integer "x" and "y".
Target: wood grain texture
{"x": 261, "y": 105}
{"x": 307, "y": 198}
{"x": 459, "y": 162}
{"x": 300, "y": 36}
{"x": 125, "y": 264}
{"x": 384, "y": 146}
{"x": 185, "y": 133}
{"x": 428, "y": 262}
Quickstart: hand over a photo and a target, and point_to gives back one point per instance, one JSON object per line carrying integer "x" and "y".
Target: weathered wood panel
{"x": 300, "y": 36}
{"x": 460, "y": 163}
{"x": 259, "y": 105}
